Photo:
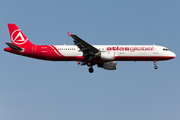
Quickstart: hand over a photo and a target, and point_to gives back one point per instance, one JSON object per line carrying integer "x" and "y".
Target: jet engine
{"x": 107, "y": 56}
{"x": 108, "y": 65}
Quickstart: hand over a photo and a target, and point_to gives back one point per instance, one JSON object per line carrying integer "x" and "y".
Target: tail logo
{"x": 18, "y": 38}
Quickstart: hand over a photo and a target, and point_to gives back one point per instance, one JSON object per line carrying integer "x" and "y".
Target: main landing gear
{"x": 89, "y": 64}
{"x": 155, "y": 66}
{"x": 91, "y": 70}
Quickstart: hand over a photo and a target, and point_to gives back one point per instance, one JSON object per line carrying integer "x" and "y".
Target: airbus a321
{"x": 104, "y": 56}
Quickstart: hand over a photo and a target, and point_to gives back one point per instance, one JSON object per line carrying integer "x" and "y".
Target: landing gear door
{"x": 155, "y": 49}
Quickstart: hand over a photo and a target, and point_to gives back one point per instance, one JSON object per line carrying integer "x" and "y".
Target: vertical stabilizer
{"x": 17, "y": 37}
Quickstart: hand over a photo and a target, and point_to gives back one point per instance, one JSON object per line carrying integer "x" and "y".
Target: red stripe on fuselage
{"x": 56, "y": 50}
{"x": 142, "y": 58}
{"x": 132, "y": 58}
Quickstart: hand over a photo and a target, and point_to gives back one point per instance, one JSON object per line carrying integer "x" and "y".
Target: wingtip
{"x": 69, "y": 34}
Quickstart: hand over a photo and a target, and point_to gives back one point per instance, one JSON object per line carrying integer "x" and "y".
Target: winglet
{"x": 69, "y": 34}
{"x": 78, "y": 62}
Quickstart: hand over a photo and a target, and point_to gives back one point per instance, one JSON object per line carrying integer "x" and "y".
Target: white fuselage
{"x": 120, "y": 50}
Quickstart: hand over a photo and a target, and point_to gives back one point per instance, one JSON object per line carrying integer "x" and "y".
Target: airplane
{"x": 104, "y": 56}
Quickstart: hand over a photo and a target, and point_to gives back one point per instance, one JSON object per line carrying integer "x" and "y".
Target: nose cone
{"x": 173, "y": 55}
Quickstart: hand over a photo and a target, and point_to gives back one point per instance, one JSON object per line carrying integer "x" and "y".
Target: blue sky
{"x": 36, "y": 89}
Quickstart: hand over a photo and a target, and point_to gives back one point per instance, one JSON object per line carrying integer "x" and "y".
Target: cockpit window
{"x": 165, "y": 49}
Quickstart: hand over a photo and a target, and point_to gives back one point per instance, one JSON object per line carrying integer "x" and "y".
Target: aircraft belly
{"x": 140, "y": 56}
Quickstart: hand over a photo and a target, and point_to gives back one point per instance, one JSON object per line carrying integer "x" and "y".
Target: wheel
{"x": 155, "y": 67}
{"x": 91, "y": 70}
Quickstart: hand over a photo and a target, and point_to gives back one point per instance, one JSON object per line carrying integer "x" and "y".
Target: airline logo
{"x": 18, "y": 37}
{"x": 131, "y": 49}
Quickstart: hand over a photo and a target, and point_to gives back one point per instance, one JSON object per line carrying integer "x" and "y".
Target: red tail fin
{"x": 17, "y": 37}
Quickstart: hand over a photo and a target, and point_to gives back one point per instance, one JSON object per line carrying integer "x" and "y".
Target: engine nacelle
{"x": 107, "y": 56}
{"x": 109, "y": 65}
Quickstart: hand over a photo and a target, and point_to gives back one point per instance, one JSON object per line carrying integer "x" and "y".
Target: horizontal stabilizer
{"x": 14, "y": 47}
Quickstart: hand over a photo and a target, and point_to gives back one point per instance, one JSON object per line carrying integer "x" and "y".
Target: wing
{"x": 86, "y": 48}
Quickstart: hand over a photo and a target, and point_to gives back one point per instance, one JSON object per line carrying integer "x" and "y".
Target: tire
{"x": 155, "y": 67}
{"x": 91, "y": 70}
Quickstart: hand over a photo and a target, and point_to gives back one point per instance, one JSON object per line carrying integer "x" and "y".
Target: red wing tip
{"x": 78, "y": 62}
{"x": 69, "y": 34}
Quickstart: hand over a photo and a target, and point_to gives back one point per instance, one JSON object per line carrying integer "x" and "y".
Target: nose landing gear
{"x": 155, "y": 66}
